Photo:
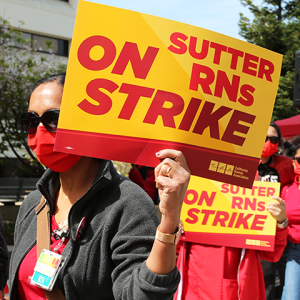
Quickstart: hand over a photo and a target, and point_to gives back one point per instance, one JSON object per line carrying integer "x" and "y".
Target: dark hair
{"x": 278, "y": 133}
{"x": 295, "y": 140}
{"x": 59, "y": 78}
{"x": 295, "y": 151}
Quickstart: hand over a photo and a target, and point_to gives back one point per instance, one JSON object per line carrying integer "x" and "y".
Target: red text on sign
{"x": 225, "y": 219}
{"x": 250, "y": 64}
{"x": 208, "y": 118}
{"x": 129, "y": 53}
{"x": 169, "y": 107}
{"x": 259, "y": 191}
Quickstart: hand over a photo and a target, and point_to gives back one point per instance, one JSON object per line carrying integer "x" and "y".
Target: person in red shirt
{"x": 215, "y": 272}
{"x": 145, "y": 178}
{"x": 119, "y": 252}
{"x": 291, "y": 194}
{"x": 225, "y": 273}
{"x": 274, "y": 167}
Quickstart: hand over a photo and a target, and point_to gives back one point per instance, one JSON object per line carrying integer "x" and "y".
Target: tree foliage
{"x": 20, "y": 67}
{"x": 276, "y": 26}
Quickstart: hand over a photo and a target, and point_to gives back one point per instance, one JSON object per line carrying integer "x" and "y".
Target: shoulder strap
{"x": 43, "y": 241}
{"x": 43, "y": 227}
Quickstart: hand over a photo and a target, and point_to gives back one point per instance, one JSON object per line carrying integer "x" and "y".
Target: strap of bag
{"x": 43, "y": 241}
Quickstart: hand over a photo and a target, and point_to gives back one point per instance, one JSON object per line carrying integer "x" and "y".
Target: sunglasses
{"x": 31, "y": 120}
{"x": 273, "y": 139}
{"x": 297, "y": 158}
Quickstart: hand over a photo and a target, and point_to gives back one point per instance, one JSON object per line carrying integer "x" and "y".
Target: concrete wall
{"x": 45, "y": 17}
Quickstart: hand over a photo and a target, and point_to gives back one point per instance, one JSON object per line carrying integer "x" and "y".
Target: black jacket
{"x": 108, "y": 261}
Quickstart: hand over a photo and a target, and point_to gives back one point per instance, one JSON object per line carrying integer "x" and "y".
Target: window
{"x": 42, "y": 44}
{"x": 47, "y": 44}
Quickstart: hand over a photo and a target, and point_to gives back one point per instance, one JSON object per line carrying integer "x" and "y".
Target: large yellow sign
{"x": 223, "y": 214}
{"x": 138, "y": 83}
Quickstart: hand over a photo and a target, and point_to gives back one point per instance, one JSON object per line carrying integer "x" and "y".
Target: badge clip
{"x": 47, "y": 269}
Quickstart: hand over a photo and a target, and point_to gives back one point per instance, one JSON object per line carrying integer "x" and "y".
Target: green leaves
{"x": 276, "y": 26}
{"x": 20, "y": 68}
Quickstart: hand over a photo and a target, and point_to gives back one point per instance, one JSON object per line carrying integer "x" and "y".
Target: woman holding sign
{"x": 291, "y": 194}
{"x": 217, "y": 272}
{"x": 274, "y": 168}
{"x": 102, "y": 225}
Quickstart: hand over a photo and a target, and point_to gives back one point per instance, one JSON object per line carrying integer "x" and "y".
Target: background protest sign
{"x": 222, "y": 214}
{"x": 137, "y": 84}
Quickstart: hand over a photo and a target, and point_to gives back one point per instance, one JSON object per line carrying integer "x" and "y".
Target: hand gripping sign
{"x": 222, "y": 214}
{"x": 137, "y": 84}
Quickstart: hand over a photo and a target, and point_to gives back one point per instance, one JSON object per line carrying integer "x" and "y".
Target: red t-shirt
{"x": 26, "y": 290}
{"x": 291, "y": 196}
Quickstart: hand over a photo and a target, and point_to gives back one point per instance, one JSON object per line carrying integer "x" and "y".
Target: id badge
{"x": 47, "y": 269}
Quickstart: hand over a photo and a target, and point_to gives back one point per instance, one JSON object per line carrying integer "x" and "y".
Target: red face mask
{"x": 296, "y": 168}
{"x": 269, "y": 149}
{"x": 42, "y": 144}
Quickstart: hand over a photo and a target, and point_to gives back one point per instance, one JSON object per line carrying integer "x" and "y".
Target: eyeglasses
{"x": 297, "y": 158}
{"x": 31, "y": 120}
{"x": 273, "y": 139}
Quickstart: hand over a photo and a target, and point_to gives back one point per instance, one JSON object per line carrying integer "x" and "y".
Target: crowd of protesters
{"x": 113, "y": 244}
{"x": 216, "y": 272}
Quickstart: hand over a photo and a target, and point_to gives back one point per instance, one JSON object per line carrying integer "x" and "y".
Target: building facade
{"x": 40, "y": 21}
{"x": 43, "y": 20}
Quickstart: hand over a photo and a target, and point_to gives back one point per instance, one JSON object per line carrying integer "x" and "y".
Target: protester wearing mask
{"x": 291, "y": 195}
{"x": 225, "y": 273}
{"x": 215, "y": 272}
{"x": 100, "y": 222}
{"x": 274, "y": 168}
{"x": 42, "y": 141}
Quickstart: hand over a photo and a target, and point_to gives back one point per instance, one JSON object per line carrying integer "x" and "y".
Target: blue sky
{"x": 218, "y": 15}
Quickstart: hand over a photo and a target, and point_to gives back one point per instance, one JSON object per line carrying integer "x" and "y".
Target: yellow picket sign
{"x": 223, "y": 214}
{"x": 137, "y": 84}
